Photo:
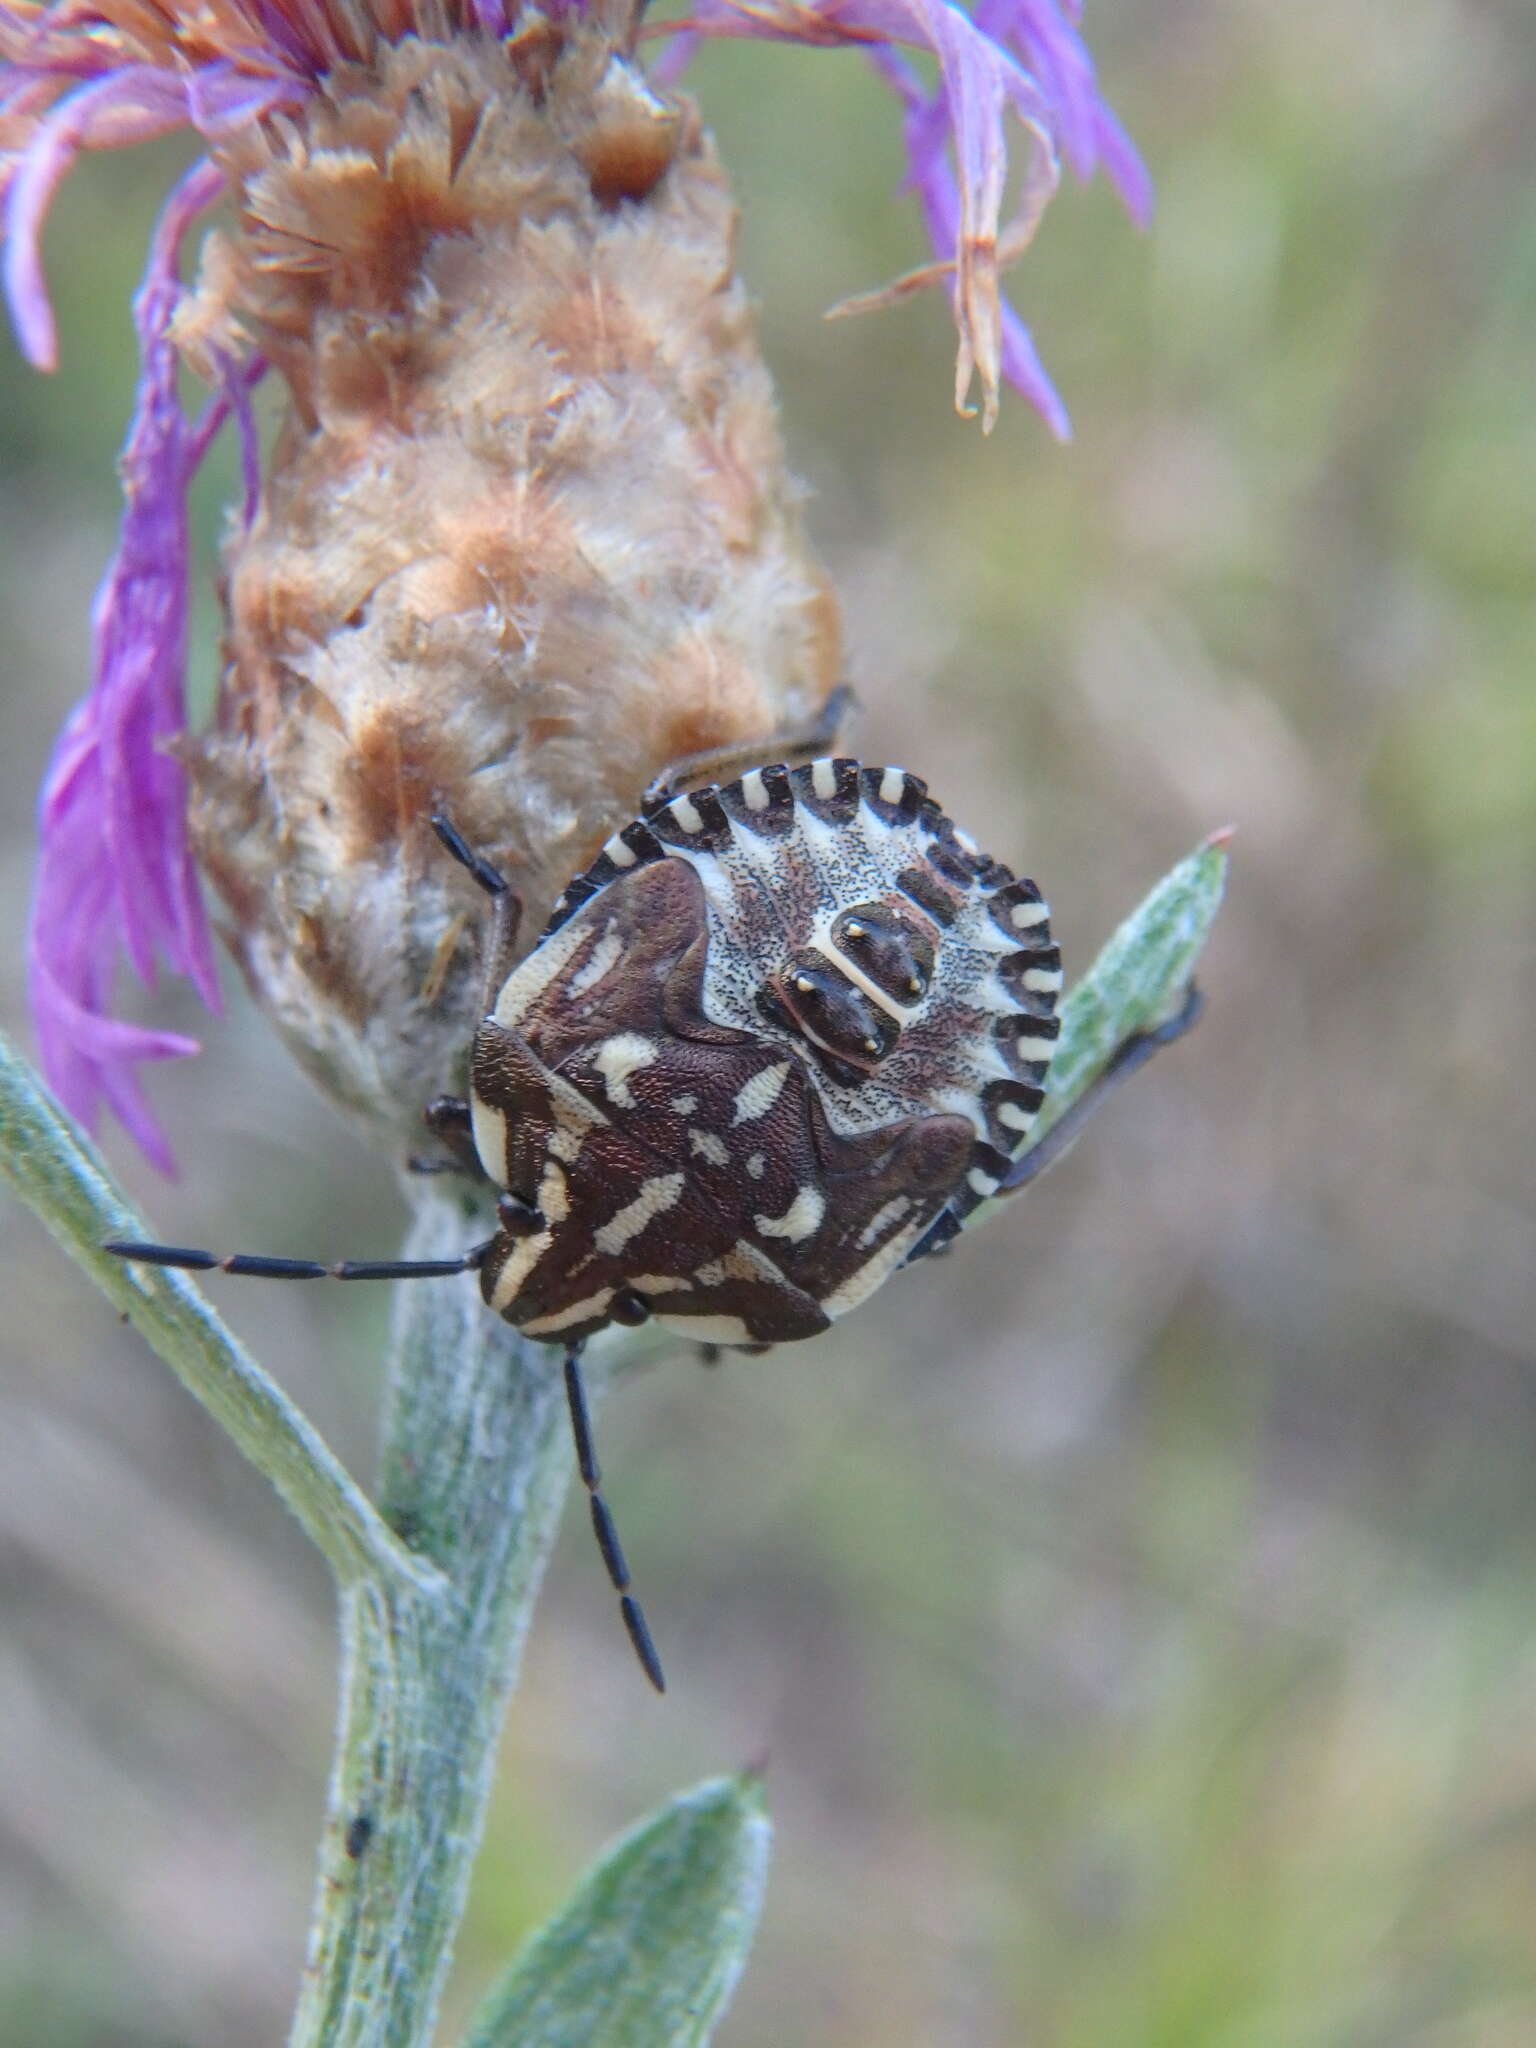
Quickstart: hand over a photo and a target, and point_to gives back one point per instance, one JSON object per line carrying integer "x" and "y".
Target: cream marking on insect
{"x": 605, "y": 956}
{"x": 888, "y": 1213}
{"x": 1033, "y": 1046}
{"x": 707, "y": 1146}
{"x": 757, "y": 1166}
{"x": 619, "y": 1057}
{"x": 565, "y": 1142}
{"x": 686, "y": 814}
{"x": 893, "y": 785}
{"x": 1042, "y": 981}
{"x": 685, "y": 1105}
{"x": 982, "y": 1184}
{"x": 489, "y": 1127}
{"x": 656, "y": 1196}
{"x": 813, "y": 1037}
{"x": 1024, "y": 916}
{"x": 821, "y": 941}
{"x": 521, "y": 1260}
{"x": 707, "y": 1329}
{"x": 754, "y": 790}
{"x": 529, "y": 979}
{"x": 562, "y": 1319}
{"x": 1016, "y": 1119}
{"x": 571, "y": 1108}
{"x": 621, "y": 855}
{"x": 863, "y": 1280}
{"x": 554, "y": 1202}
{"x": 802, "y": 1219}
{"x": 756, "y": 1097}
{"x": 824, "y": 779}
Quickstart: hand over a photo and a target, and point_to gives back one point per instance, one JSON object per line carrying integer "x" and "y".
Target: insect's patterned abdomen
{"x": 778, "y": 1036}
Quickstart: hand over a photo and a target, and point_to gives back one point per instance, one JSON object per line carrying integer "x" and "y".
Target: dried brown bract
{"x": 526, "y": 536}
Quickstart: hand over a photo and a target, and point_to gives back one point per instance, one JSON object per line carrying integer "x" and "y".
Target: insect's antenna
{"x": 602, "y": 1522}
{"x": 258, "y": 1268}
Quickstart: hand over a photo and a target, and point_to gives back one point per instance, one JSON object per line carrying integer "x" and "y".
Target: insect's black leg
{"x": 1130, "y": 1054}
{"x": 506, "y": 907}
{"x": 256, "y": 1267}
{"x": 490, "y": 878}
{"x": 715, "y": 1354}
{"x": 602, "y": 1522}
{"x": 447, "y": 1118}
{"x": 719, "y": 764}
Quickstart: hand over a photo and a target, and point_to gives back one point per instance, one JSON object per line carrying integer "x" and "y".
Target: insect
{"x": 784, "y": 1036}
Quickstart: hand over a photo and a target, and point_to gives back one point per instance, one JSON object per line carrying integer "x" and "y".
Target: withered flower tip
{"x": 525, "y": 532}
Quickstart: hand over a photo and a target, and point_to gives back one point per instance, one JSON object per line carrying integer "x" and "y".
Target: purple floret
{"x": 114, "y": 867}
{"x": 1023, "y": 58}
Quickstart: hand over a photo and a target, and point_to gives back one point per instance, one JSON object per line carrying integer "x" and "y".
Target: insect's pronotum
{"x": 781, "y": 1038}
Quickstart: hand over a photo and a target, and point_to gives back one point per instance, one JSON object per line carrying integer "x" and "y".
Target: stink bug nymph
{"x": 784, "y": 1036}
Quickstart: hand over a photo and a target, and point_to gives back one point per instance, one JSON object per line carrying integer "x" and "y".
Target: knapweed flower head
{"x": 525, "y": 532}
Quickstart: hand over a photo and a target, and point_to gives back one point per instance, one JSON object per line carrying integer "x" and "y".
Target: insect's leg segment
{"x": 602, "y": 1522}
{"x": 491, "y": 879}
{"x": 1128, "y": 1056}
{"x": 720, "y": 764}
{"x": 506, "y": 906}
{"x": 259, "y": 1268}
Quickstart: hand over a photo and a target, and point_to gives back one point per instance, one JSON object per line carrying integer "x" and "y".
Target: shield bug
{"x": 784, "y": 1036}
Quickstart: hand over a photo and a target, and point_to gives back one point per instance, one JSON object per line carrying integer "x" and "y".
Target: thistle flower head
{"x": 526, "y": 532}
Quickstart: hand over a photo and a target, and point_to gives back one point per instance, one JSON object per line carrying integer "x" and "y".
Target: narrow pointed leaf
{"x": 1140, "y": 978}
{"x": 1139, "y": 982}
{"x": 647, "y": 1951}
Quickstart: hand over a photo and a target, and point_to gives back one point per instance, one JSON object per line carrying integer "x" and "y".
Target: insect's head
{"x": 849, "y": 992}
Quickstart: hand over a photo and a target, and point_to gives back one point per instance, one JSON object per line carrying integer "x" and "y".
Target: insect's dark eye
{"x": 517, "y": 1217}
{"x": 628, "y": 1308}
{"x": 888, "y": 947}
{"x": 832, "y": 1012}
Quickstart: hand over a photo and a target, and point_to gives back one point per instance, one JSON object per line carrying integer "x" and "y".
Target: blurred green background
{"x": 1136, "y": 1610}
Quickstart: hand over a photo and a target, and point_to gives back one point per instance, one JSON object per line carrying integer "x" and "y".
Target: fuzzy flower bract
{"x": 116, "y": 874}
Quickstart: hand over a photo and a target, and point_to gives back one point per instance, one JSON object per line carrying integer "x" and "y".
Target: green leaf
{"x": 1139, "y": 979}
{"x": 647, "y": 1951}
{"x": 1141, "y": 982}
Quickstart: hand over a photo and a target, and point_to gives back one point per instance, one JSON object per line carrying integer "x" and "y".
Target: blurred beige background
{"x": 1137, "y": 1609}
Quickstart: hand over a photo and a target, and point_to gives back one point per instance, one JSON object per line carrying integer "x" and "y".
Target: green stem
{"x": 476, "y": 1461}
